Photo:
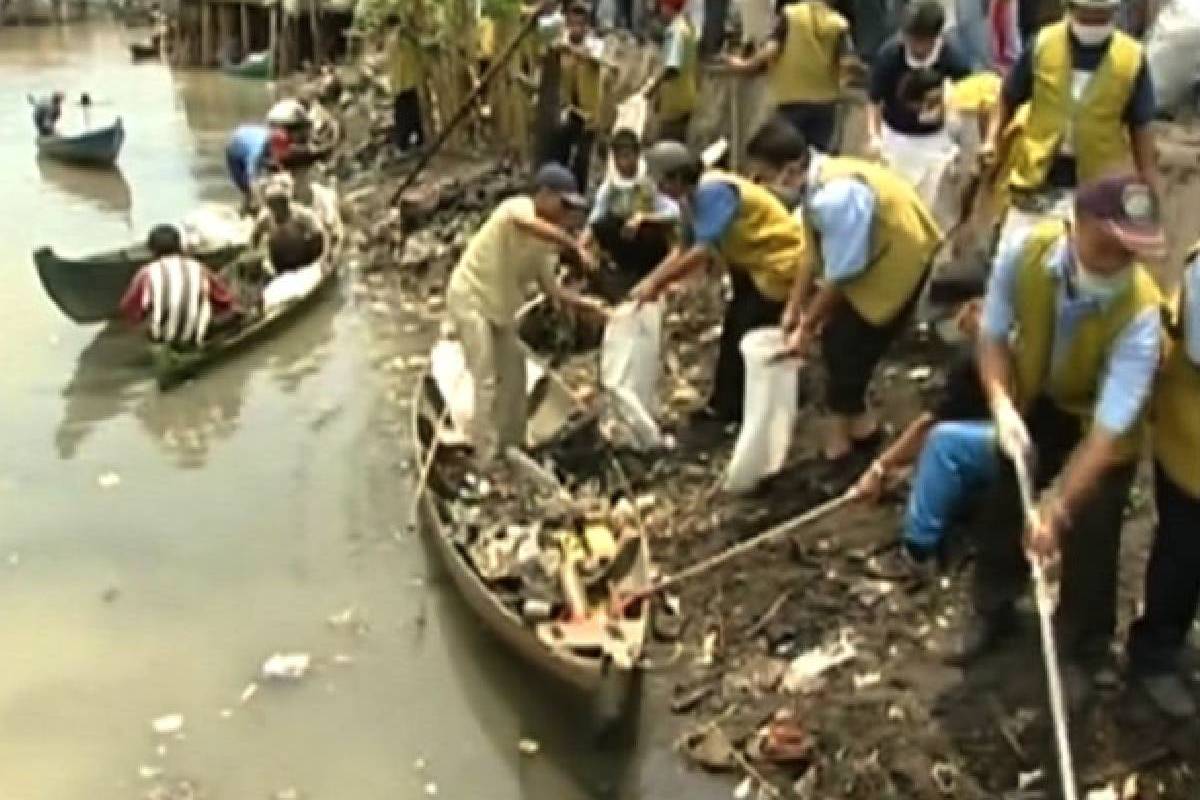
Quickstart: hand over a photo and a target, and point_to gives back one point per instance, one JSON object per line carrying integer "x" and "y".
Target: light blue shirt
{"x": 617, "y": 201}
{"x": 673, "y": 48}
{"x": 1129, "y": 374}
{"x": 715, "y": 205}
{"x": 842, "y": 212}
{"x": 1191, "y": 314}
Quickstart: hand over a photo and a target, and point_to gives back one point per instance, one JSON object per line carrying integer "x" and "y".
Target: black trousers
{"x": 817, "y": 121}
{"x": 1087, "y": 609}
{"x": 574, "y": 148}
{"x": 1172, "y": 580}
{"x": 633, "y": 258}
{"x": 749, "y": 309}
{"x": 851, "y": 348}
{"x": 407, "y": 130}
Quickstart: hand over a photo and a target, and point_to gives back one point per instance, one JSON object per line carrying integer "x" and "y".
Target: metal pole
{"x": 1045, "y": 607}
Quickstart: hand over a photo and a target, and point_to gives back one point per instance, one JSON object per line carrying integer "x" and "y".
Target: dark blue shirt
{"x": 889, "y": 74}
{"x": 1139, "y": 110}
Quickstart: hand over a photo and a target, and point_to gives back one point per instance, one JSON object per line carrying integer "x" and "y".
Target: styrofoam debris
{"x": 108, "y": 480}
{"x": 287, "y": 666}
{"x": 803, "y": 673}
{"x": 167, "y": 724}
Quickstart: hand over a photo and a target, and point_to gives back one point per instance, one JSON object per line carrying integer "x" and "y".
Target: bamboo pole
{"x": 205, "y": 34}
{"x": 273, "y": 40}
{"x": 314, "y": 21}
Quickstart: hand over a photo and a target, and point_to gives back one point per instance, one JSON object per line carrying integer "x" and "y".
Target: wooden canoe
{"x": 258, "y": 66}
{"x": 143, "y": 51}
{"x": 173, "y": 365}
{"x": 588, "y": 670}
{"x": 90, "y": 289}
{"x": 99, "y": 147}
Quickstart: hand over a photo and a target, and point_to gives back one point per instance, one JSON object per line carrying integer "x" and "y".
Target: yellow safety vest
{"x": 807, "y": 69}
{"x": 904, "y": 237}
{"x": 581, "y": 87}
{"x": 405, "y": 68}
{"x": 1095, "y": 122}
{"x": 485, "y": 38}
{"x": 677, "y": 96}
{"x": 764, "y": 241}
{"x": 1075, "y": 384}
{"x": 1176, "y": 412}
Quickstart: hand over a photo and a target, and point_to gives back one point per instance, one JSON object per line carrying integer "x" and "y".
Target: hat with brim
{"x": 1126, "y": 207}
{"x": 558, "y": 179}
{"x": 666, "y": 156}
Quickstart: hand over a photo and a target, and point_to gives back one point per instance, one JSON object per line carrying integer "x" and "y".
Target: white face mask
{"x": 1092, "y": 35}
{"x": 913, "y": 62}
{"x": 1101, "y": 287}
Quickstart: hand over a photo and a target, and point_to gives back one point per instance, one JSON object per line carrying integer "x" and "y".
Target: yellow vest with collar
{"x": 1176, "y": 411}
{"x": 763, "y": 240}
{"x": 904, "y": 237}
{"x": 807, "y": 69}
{"x": 1075, "y": 385}
{"x": 1096, "y": 122}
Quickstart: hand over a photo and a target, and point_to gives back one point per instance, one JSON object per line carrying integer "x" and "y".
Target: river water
{"x": 156, "y": 548}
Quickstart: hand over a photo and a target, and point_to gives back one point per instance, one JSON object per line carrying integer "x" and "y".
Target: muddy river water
{"x": 156, "y": 548}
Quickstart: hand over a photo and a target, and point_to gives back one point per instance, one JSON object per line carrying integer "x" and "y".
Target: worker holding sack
{"x": 877, "y": 240}
{"x": 1067, "y": 395}
{"x": 751, "y": 231}
{"x": 1173, "y": 577}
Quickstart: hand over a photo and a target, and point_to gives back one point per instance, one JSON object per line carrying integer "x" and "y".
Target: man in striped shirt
{"x": 175, "y": 296}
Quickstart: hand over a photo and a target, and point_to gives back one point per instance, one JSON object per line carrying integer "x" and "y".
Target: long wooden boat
{"x": 144, "y": 51}
{"x": 258, "y": 66}
{"x": 90, "y": 289}
{"x": 602, "y": 669}
{"x": 99, "y": 147}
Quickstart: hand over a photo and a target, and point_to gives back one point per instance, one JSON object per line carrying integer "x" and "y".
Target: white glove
{"x": 1011, "y": 432}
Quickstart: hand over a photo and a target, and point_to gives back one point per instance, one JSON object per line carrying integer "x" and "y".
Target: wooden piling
{"x": 244, "y": 13}
{"x": 206, "y": 45}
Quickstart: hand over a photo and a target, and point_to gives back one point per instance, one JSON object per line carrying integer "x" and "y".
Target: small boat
{"x": 595, "y": 652}
{"x": 256, "y": 65}
{"x": 90, "y": 289}
{"x": 143, "y": 51}
{"x": 99, "y": 147}
{"x": 282, "y": 299}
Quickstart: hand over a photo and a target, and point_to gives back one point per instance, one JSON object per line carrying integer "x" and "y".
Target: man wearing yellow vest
{"x": 1091, "y": 102}
{"x": 406, "y": 70}
{"x": 751, "y": 231}
{"x": 804, "y": 60}
{"x": 1173, "y": 577}
{"x": 1068, "y": 349}
{"x": 676, "y": 87}
{"x": 582, "y": 73}
{"x": 876, "y": 241}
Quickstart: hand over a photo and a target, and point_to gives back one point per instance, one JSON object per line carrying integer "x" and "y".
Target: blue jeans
{"x": 959, "y": 460}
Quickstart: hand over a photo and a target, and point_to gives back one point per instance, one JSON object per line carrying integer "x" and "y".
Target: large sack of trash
{"x": 769, "y": 412}
{"x": 630, "y": 368}
{"x": 1173, "y": 53}
{"x": 210, "y": 228}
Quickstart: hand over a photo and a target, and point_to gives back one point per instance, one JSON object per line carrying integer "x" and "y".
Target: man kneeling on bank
{"x": 519, "y": 244}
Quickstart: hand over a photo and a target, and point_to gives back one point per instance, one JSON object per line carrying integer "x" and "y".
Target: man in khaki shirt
{"x": 518, "y": 245}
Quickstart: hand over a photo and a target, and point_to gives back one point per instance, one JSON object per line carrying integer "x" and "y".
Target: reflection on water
{"x": 112, "y": 377}
{"x": 104, "y": 188}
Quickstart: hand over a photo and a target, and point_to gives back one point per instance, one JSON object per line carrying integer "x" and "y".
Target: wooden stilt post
{"x": 273, "y": 43}
{"x": 314, "y": 21}
{"x": 245, "y": 21}
{"x": 206, "y": 49}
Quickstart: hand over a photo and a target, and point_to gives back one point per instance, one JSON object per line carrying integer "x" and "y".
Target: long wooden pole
{"x": 500, "y": 63}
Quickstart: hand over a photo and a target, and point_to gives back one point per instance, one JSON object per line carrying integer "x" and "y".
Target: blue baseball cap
{"x": 558, "y": 179}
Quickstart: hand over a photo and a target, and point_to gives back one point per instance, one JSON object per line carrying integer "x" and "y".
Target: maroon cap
{"x": 1126, "y": 206}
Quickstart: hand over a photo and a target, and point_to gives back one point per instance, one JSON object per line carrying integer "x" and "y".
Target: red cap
{"x": 1125, "y": 205}
{"x": 672, "y": 5}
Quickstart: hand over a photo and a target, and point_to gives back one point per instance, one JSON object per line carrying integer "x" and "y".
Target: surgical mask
{"x": 1092, "y": 35}
{"x": 1101, "y": 287}
{"x": 913, "y": 62}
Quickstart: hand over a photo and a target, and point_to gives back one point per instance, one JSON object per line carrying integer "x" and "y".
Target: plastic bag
{"x": 210, "y": 228}
{"x": 770, "y": 411}
{"x": 630, "y": 369}
{"x": 448, "y": 366}
{"x": 1173, "y": 53}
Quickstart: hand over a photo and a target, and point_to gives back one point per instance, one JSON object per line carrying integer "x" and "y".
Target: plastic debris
{"x": 168, "y": 724}
{"x": 529, "y": 747}
{"x": 250, "y": 690}
{"x": 804, "y": 673}
{"x": 149, "y": 772}
{"x": 743, "y": 789}
{"x": 287, "y": 666}
{"x": 108, "y": 480}
{"x": 431, "y": 789}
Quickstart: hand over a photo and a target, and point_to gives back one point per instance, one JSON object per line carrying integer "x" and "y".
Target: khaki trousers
{"x": 496, "y": 360}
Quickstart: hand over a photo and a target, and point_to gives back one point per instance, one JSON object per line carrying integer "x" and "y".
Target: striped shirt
{"x": 173, "y": 294}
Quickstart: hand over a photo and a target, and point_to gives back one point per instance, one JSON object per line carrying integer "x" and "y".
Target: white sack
{"x": 1173, "y": 52}
{"x": 770, "y": 411}
{"x": 630, "y": 368}
{"x": 448, "y": 366}
{"x": 291, "y": 285}
{"x": 210, "y": 228}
